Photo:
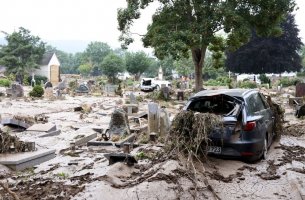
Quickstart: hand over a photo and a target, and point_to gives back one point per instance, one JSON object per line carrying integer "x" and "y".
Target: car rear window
{"x": 254, "y": 104}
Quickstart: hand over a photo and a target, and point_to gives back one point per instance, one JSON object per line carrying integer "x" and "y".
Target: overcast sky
{"x": 88, "y": 20}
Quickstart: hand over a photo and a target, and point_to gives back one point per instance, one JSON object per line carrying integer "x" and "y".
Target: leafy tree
{"x": 112, "y": 65}
{"x": 22, "y": 53}
{"x": 269, "y": 54}
{"x": 95, "y": 53}
{"x": 137, "y": 63}
{"x": 85, "y": 69}
{"x": 184, "y": 66}
{"x": 182, "y": 25}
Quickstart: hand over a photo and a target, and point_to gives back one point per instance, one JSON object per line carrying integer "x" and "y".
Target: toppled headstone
{"x": 110, "y": 89}
{"x": 46, "y": 129}
{"x": 15, "y": 91}
{"x": 119, "y": 123}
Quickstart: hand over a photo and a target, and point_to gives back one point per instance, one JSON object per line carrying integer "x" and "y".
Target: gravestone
{"x": 62, "y": 85}
{"x": 164, "y": 122}
{"x": 119, "y": 123}
{"x": 110, "y": 89}
{"x": 165, "y": 91}
{"x": 15, "y": 91}
{"x": 82, "y": 89}
{"x": 133, "y": 99}
{"x": 48, "y": 93}
{"x": 48, "y": 85}
{"x": 153, "y": 117}
{"x": 300, "y": 90}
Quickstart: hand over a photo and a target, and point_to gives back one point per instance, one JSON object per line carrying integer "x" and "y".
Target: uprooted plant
{"x": 278, "y": 112}
{"x": 9, "y": 143}
{"x": 189, "y": 139}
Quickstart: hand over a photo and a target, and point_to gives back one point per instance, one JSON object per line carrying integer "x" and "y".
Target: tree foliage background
{"x": 269, "y": 54}
{"x": 22, "y": 53}
{"x": 179, "y": 26}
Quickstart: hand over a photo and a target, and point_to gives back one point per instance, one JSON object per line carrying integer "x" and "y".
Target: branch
{"x": 14, "y": 195}
{"x": 136, "y": 34}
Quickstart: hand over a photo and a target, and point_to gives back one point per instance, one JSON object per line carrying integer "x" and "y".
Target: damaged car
{"x": 248, "y": 122}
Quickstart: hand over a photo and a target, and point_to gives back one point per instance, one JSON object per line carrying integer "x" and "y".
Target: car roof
{"x": 230, "y": 92}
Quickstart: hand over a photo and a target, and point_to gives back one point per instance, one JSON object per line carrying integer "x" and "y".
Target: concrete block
{"x": 49, "y": 134}
{"x": 87, "y": 133}
{"x": 42, "y": 128}
{"x": 14, "y": 122}
{"x": 23, "y": 160}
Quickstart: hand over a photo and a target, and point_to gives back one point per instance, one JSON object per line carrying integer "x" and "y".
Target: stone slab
{"x": 42, "y": 128}
{"x": 49, "y": 134}
{"x": 23, "y": 160}
{"x": 129, "y": 139}
{"x": 89, "y": 134}
{"x": 99, "y": 143}
{"x": 14, "y": 122}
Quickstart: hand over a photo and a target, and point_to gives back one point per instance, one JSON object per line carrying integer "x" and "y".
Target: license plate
{"x": 214, "y": 149}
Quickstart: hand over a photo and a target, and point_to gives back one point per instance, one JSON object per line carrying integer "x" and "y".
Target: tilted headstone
{"x": 62, "y": 85}
{"x": 16, "y": 90}
{"x": 165, "y": 91}
{"x": 119, "y": 123}
{"x": 164, "y": 122}
{"x": 153, "y": 117}
{"x": 300, "y": 90}
{"x": 82, "y": 89}
{"x": 48, "y": 85}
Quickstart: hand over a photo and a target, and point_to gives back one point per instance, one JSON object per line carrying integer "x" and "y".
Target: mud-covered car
{"x": 248, "y": 122}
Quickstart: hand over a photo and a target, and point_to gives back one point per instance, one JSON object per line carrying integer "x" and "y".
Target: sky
{"x": 85, "y": 20}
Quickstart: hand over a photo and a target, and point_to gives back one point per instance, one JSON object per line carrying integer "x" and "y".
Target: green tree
{"x": 95, "y": 53}
{"x": 112, "y": 65}
{"x": 184, "y": 66}
{"x": 182, "y": 25}
{"x": 137, "y": 63}
{"x": 22, "y": 53}
{"x": 85, "y": 69}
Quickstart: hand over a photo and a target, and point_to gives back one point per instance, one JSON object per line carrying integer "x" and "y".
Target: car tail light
{"x": 249, "y": 126}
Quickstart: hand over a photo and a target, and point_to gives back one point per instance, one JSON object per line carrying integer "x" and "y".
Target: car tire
{"x": 265, "y": 149}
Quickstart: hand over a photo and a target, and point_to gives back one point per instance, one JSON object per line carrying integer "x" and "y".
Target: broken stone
{"x": 15, "y": 122}
{"x": 48, "y": 93}
{"x": 119, "y": 124}
{"x": 15, "y": 91}
{"x": 42, "y": 128}
{"x": 131, "y": 108}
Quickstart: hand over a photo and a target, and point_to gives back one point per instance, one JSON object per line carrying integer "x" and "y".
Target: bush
{"x": 286, "y": 82}
{"x": 220, "y": 81}
{"x": 247, "y": 84}
{"x": 38, "y": 79}
{"x": 5, "y": 82}
{"x": 264, "y": 78}
{"x": 37, "y": 91}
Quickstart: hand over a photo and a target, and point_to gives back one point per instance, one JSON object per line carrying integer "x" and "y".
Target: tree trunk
{"x": 137, "y": 76}
{"x": 198, "y": 56}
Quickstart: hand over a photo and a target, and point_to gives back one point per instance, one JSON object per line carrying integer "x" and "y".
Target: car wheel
{"x": 265, "y": 149}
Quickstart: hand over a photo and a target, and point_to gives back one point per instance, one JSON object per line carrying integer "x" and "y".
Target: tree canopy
{"x": 137, "y": 63}
{"x": 112, "y": 65}
{"x": 182, "y": 25}
{"x": 22, "y": 53}
{"x": 269, "y": 54}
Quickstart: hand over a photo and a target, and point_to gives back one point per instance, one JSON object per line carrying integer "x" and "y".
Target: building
{"x": 49, "y": 67}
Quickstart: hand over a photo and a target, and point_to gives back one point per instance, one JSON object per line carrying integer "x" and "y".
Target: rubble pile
{"x": 12, "y": 144}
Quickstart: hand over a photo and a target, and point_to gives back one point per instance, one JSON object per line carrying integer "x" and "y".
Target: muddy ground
{"x": 86, "y": 174}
